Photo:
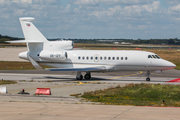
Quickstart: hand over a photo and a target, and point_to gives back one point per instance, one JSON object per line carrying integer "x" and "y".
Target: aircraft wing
{"x": 100, "y": 68}
{"x": 88, "y": 69}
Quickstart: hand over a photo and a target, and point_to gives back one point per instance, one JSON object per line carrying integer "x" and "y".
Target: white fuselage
{"x": 113, "y": 60}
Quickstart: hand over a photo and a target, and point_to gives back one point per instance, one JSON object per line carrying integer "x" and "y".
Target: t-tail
{"x": 38, "y": 46}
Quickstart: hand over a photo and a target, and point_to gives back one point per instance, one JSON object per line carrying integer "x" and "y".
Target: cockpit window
{"x": 154, "y": 56}
{"x": 149, "y": 56}
{"x": 157, "y": 57}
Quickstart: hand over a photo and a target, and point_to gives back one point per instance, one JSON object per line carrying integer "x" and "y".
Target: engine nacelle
{"x": 59, "y": 45}
{"x": 23, "y": 55}
{"x": 53, "y": 55}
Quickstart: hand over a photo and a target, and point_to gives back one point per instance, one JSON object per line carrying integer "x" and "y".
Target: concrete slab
{"x": 11, "y": 54}
{"x": 56, "y": 111}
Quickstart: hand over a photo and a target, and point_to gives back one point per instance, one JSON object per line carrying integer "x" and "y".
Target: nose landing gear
{"x": 148, "y": 73}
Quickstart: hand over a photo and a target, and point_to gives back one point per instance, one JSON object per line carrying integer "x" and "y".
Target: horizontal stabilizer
{"x": 25, "y": 41}
{"x": 102, "y": 68}
{"x": 28, "y": 19}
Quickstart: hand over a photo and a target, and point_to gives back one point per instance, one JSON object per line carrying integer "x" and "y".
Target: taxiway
{"x": 62, "y": 105}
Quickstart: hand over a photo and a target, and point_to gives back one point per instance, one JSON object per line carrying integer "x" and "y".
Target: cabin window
{"x": 126, "y": 58}
{"x": 113, "y": 58}
{"x": 83, "y": 57}
{"x": 96, "y": 58}
{"x": 117, "y": 58}
{"x": 87, "y": 58}
{"x": 100, "y": 58}
{"x": 91, "y": 58}
{"x": 121, "y": 58}
{"x": 79, "y": 57}
{"x": 105, "y": 58}
{"x": 109, "y": 58}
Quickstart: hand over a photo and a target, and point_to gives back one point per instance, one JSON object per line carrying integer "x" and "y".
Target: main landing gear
{"x": 87, "y": 76}
{"x": 148, "y": 73}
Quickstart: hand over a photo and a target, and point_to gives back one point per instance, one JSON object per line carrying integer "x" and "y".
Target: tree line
{"x": 170, "y": 41}
{"x": 5, "y": 38}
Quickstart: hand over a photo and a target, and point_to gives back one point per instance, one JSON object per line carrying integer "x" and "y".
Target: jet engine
{"x": 53, "y": 51}
{"x": 53, "y": 55}
{"x": 59, "y": 45}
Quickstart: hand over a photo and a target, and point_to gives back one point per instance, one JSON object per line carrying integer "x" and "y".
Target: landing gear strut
{"x": 148, "y": 73}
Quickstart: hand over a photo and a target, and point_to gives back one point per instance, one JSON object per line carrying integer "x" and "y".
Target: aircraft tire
{"x": 79, "y": 78}
{"x": 148, "y": 79}
{"x": 87, "y": 76}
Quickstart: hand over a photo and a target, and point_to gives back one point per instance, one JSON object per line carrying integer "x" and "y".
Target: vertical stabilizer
{"x": 30, "y": 31}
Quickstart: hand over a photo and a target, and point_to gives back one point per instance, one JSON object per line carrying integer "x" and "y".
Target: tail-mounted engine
{"x": 59, "y": 45}
{"x": 53, "y": 55}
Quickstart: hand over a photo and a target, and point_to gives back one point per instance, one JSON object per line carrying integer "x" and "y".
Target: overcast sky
{"x": 131, "y": 19}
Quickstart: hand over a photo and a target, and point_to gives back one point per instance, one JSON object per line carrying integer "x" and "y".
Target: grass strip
{"x": 10, "y": 65}
{"x": 137, "y": 95}
{"x": 3, "y": 82}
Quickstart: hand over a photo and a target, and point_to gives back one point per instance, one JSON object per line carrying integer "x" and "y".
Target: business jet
{"x": 60, "y": 56}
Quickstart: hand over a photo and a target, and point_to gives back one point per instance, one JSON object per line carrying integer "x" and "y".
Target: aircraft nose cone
{"x": 173, "y": 65}
{"x": 170, "y": 65}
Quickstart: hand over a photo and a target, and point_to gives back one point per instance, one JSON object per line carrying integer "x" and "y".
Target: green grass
{"x": 137, "y": 95}
{"x": 177, "y": 66}
{"x": 3, "y": 82}
{"x": 10, "y": 65}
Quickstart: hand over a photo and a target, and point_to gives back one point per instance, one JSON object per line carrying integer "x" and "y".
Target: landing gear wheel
{"x": 79, "y": 77}
{"x": 148, "y": 73}
{"x": 148, "y": 79}
{"x": 87, "y": 76}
